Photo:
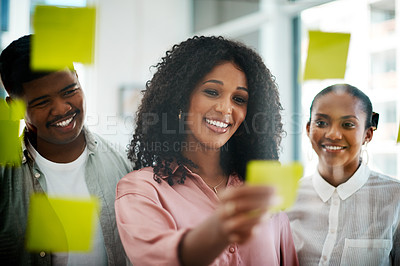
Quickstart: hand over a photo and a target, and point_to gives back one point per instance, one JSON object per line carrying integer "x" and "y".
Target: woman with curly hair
{"x": 211, "y": 107}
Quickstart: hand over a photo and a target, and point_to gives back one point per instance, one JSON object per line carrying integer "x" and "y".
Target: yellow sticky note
{"x": 327, "y": 55}
{"x": 10, "y": 142}
{"x": 284, "y": 178}
{"x": 62, "y": 35}
{"x": 61, "y": 224}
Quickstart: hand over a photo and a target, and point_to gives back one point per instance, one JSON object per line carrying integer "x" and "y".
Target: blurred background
{"x": 133, "y": 35}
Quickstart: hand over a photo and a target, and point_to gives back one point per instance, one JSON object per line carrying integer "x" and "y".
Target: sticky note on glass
{"x": 285, "y": 178}
{"x": 10, "y": 142}
{"x": 398, "y": 136}
{"x": 62, "y": 35}
{"x": 61, "y": 224}
{"x": 327, "y": 55}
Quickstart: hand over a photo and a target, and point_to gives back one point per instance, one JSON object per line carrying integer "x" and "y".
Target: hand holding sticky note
{"x": 10, "y": 143}
{"x": 61, "y": 224}
{"x": 284, "y": 178}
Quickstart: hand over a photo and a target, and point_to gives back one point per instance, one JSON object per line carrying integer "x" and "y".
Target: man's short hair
{"x": 15, "y": 66}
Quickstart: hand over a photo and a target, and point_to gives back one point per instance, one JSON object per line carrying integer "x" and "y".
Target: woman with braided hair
{"x": 210, "y": 108}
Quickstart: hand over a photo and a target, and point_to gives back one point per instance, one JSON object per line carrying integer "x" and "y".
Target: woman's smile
{"x": 218, "y": 106}
{"x": 217, "y": 125}
{"x": 333, "y": 148}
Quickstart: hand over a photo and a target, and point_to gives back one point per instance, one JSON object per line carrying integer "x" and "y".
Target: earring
{"x": 364, "y": 153}
{"x": 180, "y": 114}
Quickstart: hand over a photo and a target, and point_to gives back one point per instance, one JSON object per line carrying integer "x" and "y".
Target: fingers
{"x": 242, "y": 209}
{"x": 251, "y": 210}
{"x": 229, "y": 208}
{"x": 259, "y": 192}
{"x": 239, "y": 228}
{"x": 254, "y": 201}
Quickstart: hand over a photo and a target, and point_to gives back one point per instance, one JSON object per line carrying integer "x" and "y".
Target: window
{"x": 209, "y": 13}
{"x": 371, "y": 66}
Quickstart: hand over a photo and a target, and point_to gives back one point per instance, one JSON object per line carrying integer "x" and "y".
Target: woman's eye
{"x": 211, "y": 92}
{"x": 240, "y": 100}
{"x": 349, "y": 124}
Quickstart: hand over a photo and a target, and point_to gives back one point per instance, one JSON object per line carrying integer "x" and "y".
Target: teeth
{"x": 217, "y": 123}
{"x": 334, "y": 147}
{"x": 65, "y": 122}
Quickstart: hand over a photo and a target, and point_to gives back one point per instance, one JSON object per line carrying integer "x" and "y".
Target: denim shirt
{"x": 105, "y": 166}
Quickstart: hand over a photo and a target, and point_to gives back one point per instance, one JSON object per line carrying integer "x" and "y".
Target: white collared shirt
{"x": 356, "y": 223}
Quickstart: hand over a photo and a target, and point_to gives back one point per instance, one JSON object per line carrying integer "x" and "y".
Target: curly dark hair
{"x": 159, "y": 140}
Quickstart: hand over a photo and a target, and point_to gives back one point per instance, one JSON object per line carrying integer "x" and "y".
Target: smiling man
{"x": 55, "y": 115}
{"x": 61, "y": 158}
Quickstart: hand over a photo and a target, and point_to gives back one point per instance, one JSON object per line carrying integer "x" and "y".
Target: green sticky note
{"x": 327, "y": 55}
{"x": 284, "y": 178}
{"x": 398, "y": 136}
{"x": 61, "y": 224}
{"x": 10, "y": 142}
{"x": 62, "y": 35}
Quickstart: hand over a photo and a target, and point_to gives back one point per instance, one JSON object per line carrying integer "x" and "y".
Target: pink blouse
{"x": 152, "y": 218}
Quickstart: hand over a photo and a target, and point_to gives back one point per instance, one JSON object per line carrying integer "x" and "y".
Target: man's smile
{"x": 63, "y": 121}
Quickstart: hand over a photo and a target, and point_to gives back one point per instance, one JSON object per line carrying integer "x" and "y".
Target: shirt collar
{"x": 345, "y": 190}
{"x": 176, "y": 169}
{"x": 174, "y": 166}
{"x": 91, "y": 140}
{"x": 233, "y": 179}
{"x": 27, "y": 148}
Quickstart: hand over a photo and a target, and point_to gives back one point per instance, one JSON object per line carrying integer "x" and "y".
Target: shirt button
{"x": 324, "y": 258}
{"x": 37, "y": 175}
{"x": 42, "y": 254}
{"x": 231, "y": 249}
{"x": 332, "y": 230}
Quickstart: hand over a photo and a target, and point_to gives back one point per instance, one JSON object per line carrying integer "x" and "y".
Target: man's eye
{"x": 41, "y": 103}
{"x": 70, "y": 92}
{"x": 320, "y": 123}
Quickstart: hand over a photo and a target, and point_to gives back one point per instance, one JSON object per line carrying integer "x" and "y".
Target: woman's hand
{"x": 242, "y": 209}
